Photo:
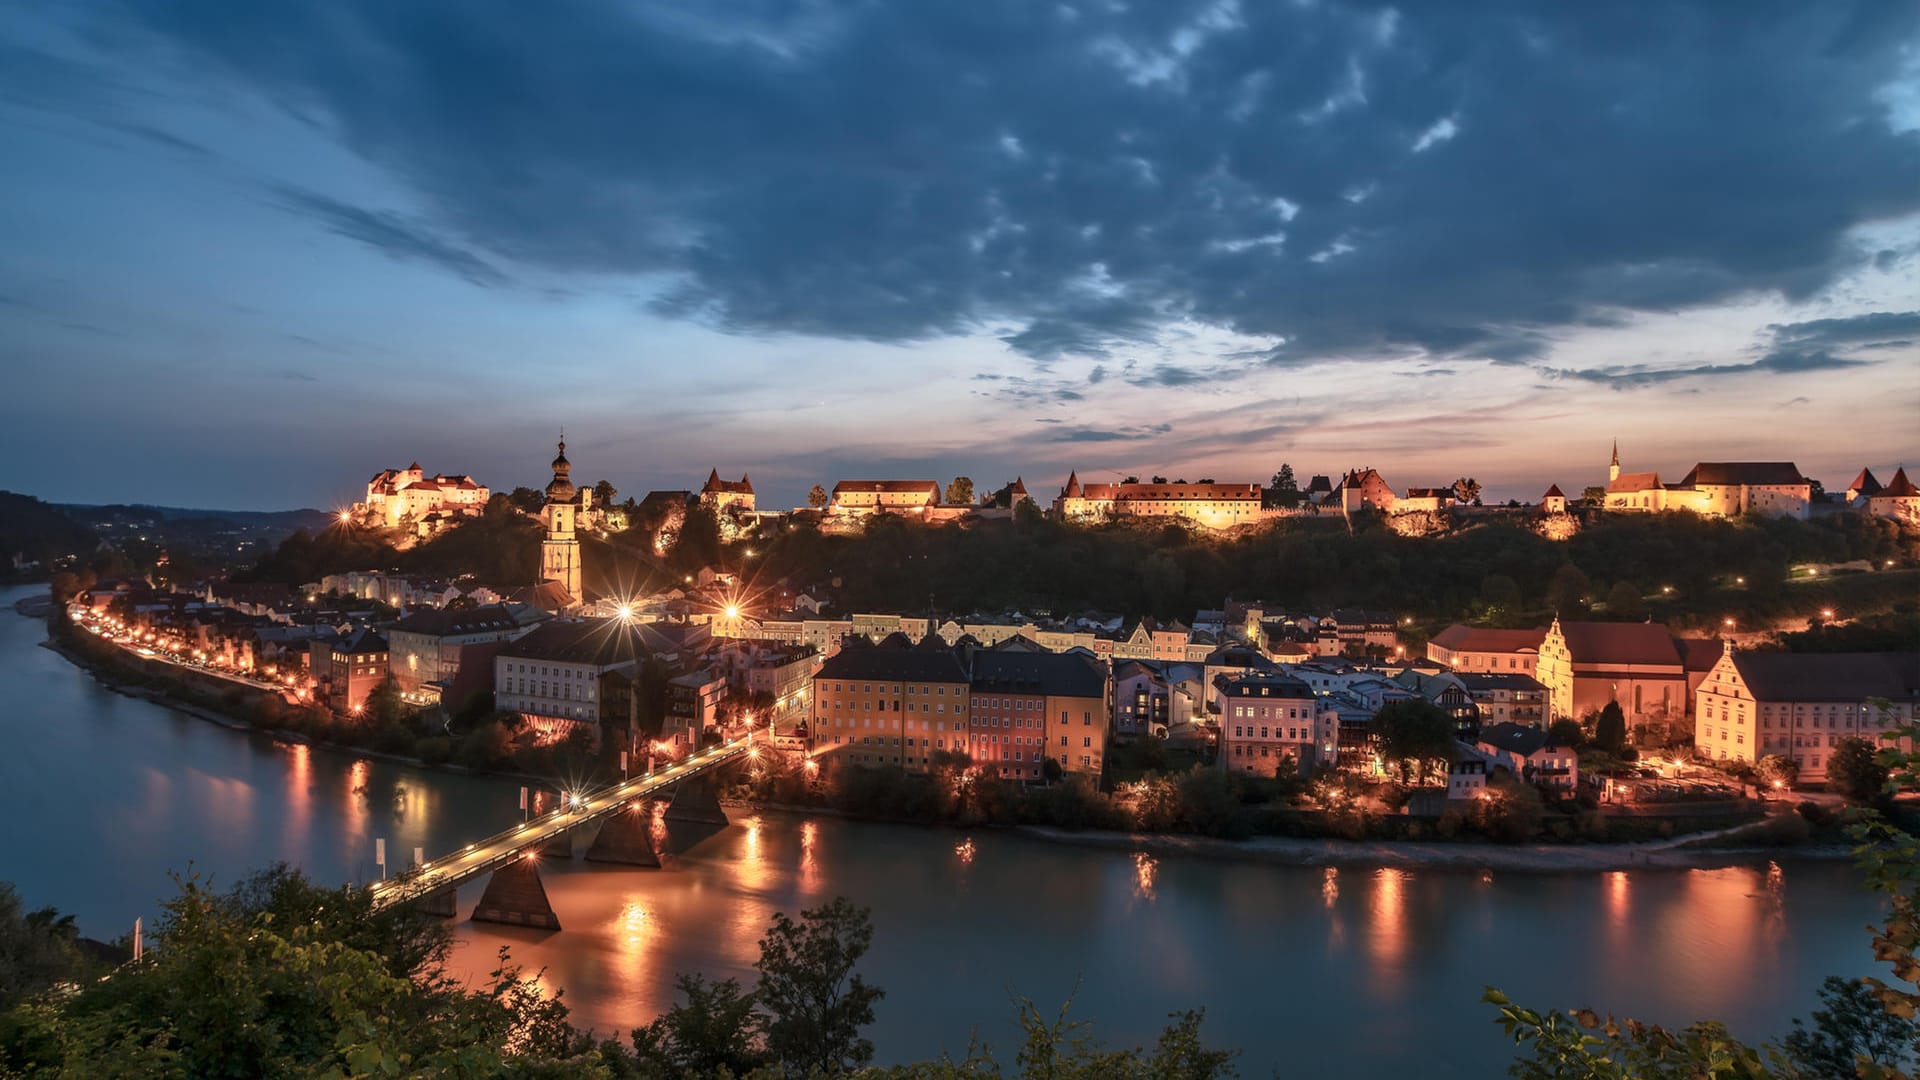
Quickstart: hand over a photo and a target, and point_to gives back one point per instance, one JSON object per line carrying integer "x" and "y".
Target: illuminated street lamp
{"x": 624, "y": 611}
{"x": 1728, "y": 622}
{"x": 1826, "y": 613}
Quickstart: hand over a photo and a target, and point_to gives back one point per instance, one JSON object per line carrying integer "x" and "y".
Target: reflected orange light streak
{"x": 1387, "y": 940}
{"x": 1145, "y": 870}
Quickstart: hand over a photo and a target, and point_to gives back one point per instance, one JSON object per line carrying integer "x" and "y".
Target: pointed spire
{"x": 1616, "y": 453}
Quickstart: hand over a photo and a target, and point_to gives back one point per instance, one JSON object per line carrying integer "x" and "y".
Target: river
{"x": 1310, "y": 971}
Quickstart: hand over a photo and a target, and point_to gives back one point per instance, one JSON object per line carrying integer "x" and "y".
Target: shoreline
{"x": 1674, "y": 854}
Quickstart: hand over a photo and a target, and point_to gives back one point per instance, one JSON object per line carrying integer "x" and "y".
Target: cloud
{"x": 391, "y": 234}
{"x": 1873, "y": 328}
{"x": 1135, "y": 433}
{"x": 1089, "y": 174}
{"x": 1778, "y": 362}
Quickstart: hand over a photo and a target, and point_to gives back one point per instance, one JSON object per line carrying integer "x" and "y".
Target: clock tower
{"x": 560, "y": 551}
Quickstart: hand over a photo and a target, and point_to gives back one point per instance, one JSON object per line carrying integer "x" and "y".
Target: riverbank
{"x": 1514, "y": 858}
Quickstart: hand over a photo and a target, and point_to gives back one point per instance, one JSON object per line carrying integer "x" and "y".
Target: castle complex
{"x": 409, "y": 499}
{"x": 1714, "y": 488}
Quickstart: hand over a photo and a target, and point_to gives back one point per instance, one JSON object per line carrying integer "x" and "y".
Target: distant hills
{"x": 287, "y": 520}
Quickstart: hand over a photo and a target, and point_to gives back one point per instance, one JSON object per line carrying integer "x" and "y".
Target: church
{"x": 1715, "y": 489}
{"x": 564, "y": 515}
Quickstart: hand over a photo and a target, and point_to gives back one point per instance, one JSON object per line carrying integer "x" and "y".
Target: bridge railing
{"x": 490, "y": 854}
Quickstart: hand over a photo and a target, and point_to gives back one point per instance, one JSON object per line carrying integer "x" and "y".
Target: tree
{"x": 1594, "y": 496}
{"x": 37, "y": 949}
{"x": 814, "y": 1003}
{"x": 1412, "y": 735}
{"x": 1500, "y": 593}
{"x": 716, "y": 1027}
{"x": 1623, "y": 601}
{"x": 960, "y": 491}
{"x": 527, "y": 500}
{"x": 1569, "y": 589}
{"x": 1853, "y": 771}
{"x": 1776, "y": 772}
{"x": 1467, "y": 490}
{"x": 817, "y": 496}
{"x": 604, "y": 494}
{"x": 1567, "y": 732}
{"x": 1853, "y": 1025}
{"x": 1610, "y": 728}
{"x": 1285, "y": 490}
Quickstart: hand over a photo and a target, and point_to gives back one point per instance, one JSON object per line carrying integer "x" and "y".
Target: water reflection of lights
{"x": 809, "y": 864}
{"x": 1145, "y": 869}
{"x": 1619, "y": 889}
{"x": 964, "y": 850}
{"x": 633, "y": 920}
{"x": 1330, "y": 886}
{"x": 1388, "y": 939}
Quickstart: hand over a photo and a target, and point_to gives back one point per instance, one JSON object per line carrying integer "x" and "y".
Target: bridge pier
{"x": 515, "y": 897}
{"x": 560, "y": 846}
{"x": 440, "y": 903}
{"x": 696, "y": 802}
{"x": 626, "y": 837}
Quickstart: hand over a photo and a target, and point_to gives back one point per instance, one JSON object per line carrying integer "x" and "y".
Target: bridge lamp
{"x": 754, "y": 753}
{"x": 624, "y": 611}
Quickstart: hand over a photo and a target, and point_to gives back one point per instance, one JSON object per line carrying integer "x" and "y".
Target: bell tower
{"x": 1613, "y": 470}
{"x": 560, "y": 551}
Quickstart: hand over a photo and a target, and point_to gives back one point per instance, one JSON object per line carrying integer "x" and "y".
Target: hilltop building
{"x": 1471, "y": 648}
{"x": 409, "y": 499}
{"x": 859, "y": 497}
{"x": 1899, "y": 500}
{"x": 1715, "y": 489}
{"x": 722, "y": 495}
{"x": 1217, "y": 506}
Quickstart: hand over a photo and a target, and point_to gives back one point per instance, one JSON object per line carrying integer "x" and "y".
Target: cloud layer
{"x": 1456, "y": 180}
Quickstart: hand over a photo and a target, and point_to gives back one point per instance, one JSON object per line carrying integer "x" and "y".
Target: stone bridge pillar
{"x": 515, "y": 897}
{"x": 442, "y": 903}
{"x": 696, "y": 802}
{"x": 627, "y": 837}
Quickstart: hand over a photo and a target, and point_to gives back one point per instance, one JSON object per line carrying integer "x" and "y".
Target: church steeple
{"x": 561, "y": 487}
{"x": 560, "y": 551}
{"x": 1613, "y": 468}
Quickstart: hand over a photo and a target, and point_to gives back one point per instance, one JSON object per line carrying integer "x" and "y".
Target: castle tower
{"x": 1613, "y": 470}
{"x": 560, "y": 551}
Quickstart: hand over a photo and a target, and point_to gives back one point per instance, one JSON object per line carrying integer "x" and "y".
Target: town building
{"x": 862, "y": 497}
{"x": 1715, "y": 489}
{"x": 1447, "y": 693}
{"x": 1585, "y": 665}
{"x": 1216, "y": 506}
{"x": 1554, "y": 501}
{"x": 430, "y": 649}
{"x": 695, "y": 701}
{"x": 1864, "y": 487}
{"x": 1530, "y": 754}
{"x": 1506, "y": 698}
{"x": 1801, "y": 705}
{"x": 560, "y": 551}
{"x": 1271, "y": 724}
{"x": 890, "y": 705}
{"x": 1362, "y": 488}
{"x": 1472, "y": 648}
{"x": 409, "y": 499}
{"x": 346, "y": 670}
{"x": 776, "y": 679}
{"x": 551, "y": 675}
{"x": 1030, "y": 705}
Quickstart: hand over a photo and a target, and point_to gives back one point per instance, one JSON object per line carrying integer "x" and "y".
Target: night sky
{"x": 251, "y": 252}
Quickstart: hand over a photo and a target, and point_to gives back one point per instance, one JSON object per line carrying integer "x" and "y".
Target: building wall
{"x": 1525, "y": 662}
{"x": 886, "y": 722}
{"x": 551, "y": 688}
{"x": 1077, "y": 733}
{"x": 1257, "y": 734}
{"x": 1729, "y": 725}
{"x": 1008, "y": 732}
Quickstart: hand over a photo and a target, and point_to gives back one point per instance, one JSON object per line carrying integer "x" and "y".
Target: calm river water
{"x": 1311, "y": 971}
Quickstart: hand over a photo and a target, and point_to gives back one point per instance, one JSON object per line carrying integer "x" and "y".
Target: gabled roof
{"x": 1775, "y": 676}
{"x": 449, "y": 622}
{"x": 1699, "y": 654}
{"x": 1729, "y": 473}
{"x": 1899, "y": 487}
{"x": 1633, "y": 481}
{"x": 1054, "y": 674}
{"x": 1554, "y": 492}
{"x": 1019, "y": 487}
{"x": 1319, "y": 485}
{"x": 719, "y": 486}
{"x": 904, "y": 664}
{"x": 1619, "y": 643}
{"x": 599, "y": 642}
{"x": 1515, "y": 739}
{"x": 362, "y": 642}
{"x": 1243, "y": 686}
{"x": 879, "y": 486}
{"x": 1865, "y": 483}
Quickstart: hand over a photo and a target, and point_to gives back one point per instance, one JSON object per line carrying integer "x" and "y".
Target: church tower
{"x": 1613, "y": 470}
{"x": 560, "y": 552}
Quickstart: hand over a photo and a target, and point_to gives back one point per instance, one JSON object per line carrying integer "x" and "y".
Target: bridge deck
{"x": 486, "y": 856}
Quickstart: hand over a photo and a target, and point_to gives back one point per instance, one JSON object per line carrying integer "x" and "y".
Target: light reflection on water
{"x": 1314, "y": 970}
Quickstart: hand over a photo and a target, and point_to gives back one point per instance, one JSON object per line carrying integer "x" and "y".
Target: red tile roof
{"x": 1899, "y": 487}
{"x": 1462, "y": 638}
{"x": 1633, "y": 481}
{"x": 1620, "y": 643}
{"x": 1732, "y": 473}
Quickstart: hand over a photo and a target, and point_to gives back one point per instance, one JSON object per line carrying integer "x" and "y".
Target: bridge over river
{"x": 514, "y": 894}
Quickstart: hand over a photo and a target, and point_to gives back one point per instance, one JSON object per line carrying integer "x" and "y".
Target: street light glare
{"x": 733, "y": 611}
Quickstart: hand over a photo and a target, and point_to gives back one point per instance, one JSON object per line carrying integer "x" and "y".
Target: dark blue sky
{"x": 255, "y": 251}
